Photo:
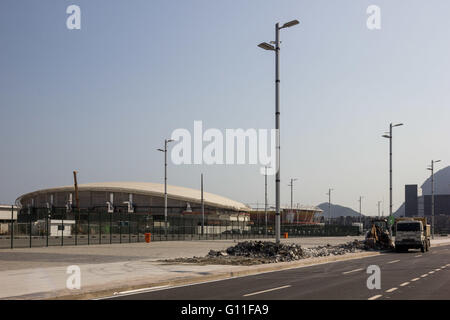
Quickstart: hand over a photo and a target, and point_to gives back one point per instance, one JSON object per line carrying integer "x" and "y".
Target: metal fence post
{"x": 99, "y": 226}
{"x": 129, "y": 225}
{"x": 76, "y": 226}
{"x": 12, "y": 227}
{"x": 120, "y": 226}
{"x": 29, "y": 224}
{"x": 62, "y": 231}
{"x": 89, "y": 228}
{"x": 46, "y": 227}
{"x": 110, "y": 228}
{"x": 137, "y": 226}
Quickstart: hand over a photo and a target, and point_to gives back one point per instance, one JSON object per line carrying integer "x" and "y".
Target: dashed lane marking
{"x": 394, "y": 261}
{"x": 415, "y": 279}
{"x": 424, "y": 275}
{"x": 419, "y": 255}
{"x": 264, "y": 291}
{"x": 405, "y": 284}
{"x": 391, "y": 289}
{"x": 347, "y": 272}
{"x": 375, "y": 297}
{"x": 431, "y": 272}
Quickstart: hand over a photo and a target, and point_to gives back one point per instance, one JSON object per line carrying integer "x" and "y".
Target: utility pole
{"x": 379, "y": 202}
{"x": 292, "y": 197}
{"x": 292, "y": 192}
{"x": 360, "y": 210}
{"x": 329, "y": 204}
{"x": 432, "y": 195}
{"x": 276, "y": 48}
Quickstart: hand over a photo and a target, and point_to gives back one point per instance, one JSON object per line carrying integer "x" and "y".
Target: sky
{"x": 102, "y": 99}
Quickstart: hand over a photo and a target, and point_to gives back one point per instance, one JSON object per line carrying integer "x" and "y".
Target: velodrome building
{"x": 140, "y": 197}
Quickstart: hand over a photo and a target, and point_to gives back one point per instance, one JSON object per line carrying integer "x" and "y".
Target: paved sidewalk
{"x": 41, "y": 272}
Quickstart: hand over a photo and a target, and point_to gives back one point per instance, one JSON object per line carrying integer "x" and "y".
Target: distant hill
{"x": 338, "y": 211}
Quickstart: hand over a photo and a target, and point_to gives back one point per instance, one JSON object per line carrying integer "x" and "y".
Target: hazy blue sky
{"x": 103, "y": 98}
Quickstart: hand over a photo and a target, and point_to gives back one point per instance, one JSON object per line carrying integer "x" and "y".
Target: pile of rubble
{"x": 259, "y": 252}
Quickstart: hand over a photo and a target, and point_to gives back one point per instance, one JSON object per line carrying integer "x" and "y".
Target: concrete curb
{"x": 258, "y": 269}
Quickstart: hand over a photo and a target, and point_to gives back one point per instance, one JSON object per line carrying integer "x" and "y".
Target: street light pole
{"x": 265, "y": 199}
{"x": 432, "y": 196}
{"x": 389, "y": 136}
{"x": 203, "y": 209}
{"x": 276, "y": 48}
{"x": 166, "y": 141}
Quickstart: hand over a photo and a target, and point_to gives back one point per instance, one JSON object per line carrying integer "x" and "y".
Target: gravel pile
{"x": 261, "y": 252}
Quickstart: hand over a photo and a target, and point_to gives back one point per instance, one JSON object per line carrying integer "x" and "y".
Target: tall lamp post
{"x": 329, "y": 204}
{"x": 432, "y": 195}
{"x": 389, "y": 136}
{"x": 276, "y": 47}
{"x": 265, "y": 199}
{"x": 166, "y": 141}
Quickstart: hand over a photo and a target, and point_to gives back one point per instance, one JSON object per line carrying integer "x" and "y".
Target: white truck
{"x": 412, "y": 233}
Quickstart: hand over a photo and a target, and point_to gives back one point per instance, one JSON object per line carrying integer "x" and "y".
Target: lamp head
{"x": 266, "y": 46}
{"x": 290, "y": 24}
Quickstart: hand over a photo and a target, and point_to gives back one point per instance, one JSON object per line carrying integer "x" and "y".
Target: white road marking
{"x": 431, "y": 272}
{"x": 419, "y": 255}
{"x": 438, "y": 269}
{"x": 394, "y": 261}
{"x": 264, "y": 291}
{"x": 264, "y": 272}
{"x": 391, "y": 289}
{"x": 404, "y": 284}
{"x": 424, "y": 275}
{"x": 347, "y": 272}
{"x": 375, "y": 297}
{"x": 139, "y": 290}
{"x": 415, "y": 279}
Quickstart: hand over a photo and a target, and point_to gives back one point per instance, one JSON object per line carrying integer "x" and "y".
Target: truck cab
{"x": 412, "y": 233}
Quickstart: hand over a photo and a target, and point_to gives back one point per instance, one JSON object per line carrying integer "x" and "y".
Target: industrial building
{"x": 420, "y": 205}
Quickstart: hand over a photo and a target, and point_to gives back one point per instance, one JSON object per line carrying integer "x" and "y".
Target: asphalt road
{"x": 412, "y": 275}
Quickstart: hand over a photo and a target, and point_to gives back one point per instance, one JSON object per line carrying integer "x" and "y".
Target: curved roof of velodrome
{"x": 154, "y": 189}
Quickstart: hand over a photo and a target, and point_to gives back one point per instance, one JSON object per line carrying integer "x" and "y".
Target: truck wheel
{"x": 422, "y": 248}
{"x": 398, "y": 249}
